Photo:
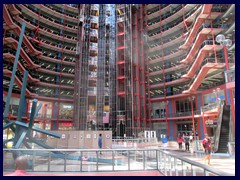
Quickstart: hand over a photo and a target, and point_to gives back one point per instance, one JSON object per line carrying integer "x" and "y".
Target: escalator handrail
{"x": 218, "y": 130}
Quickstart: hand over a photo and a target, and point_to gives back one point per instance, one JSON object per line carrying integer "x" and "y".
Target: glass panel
{"x": 150, "y": 156}
{"x": 73, "y": 165}
{"x": 56, "y": 164}
{"x": 121, "y": 160}
{"x": 106, "y": 161}
{"x": 89, "y": 161}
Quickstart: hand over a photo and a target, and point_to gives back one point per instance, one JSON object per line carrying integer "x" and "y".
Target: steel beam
{"x": 5, "y": 114}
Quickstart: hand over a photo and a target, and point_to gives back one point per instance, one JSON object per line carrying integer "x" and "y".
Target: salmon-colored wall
{"x": 81, "y": 140}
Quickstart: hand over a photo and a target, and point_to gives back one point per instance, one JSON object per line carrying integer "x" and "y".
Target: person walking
{"x": 100, "y": 142}
{"x": 207, "y": 146}
{"x": 180, "y": 140}
{"x": 20, "y": 167}
{"x": 186, "y": 140}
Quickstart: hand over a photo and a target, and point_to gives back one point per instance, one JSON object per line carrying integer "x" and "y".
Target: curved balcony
{"x": 17, "y": 29}
{"x": 51, "y": 6}
{"x": 173, "y": 54}
{"x": 47, "y": 58}
{"x": 42, "y": 97}
{"x": 19, "y": 83}
{"x": 55, "y": 85}
{"x": 67, "y": 7}
{"x": 165, "y": 51}
{"x": 174, "y": 68}
{"x": 46, "y": 32}
{"x": 64, "y": 82}
{"x": 14, "y": 10}
{"x": 57, "y": 14}
{"x": 169, "y": 17}
{"x": 21, "y": 68}
{"x": 152, "y": 6}
{"x": 153, "y": 13}
{"x": 170, "y": 63}
{"x": 55, "y": 73}
{"x": 52, "y": 67}
{"x": 44, "y": 19}
{"x": 173, "y": 27}
{"x": 169, "y": 42}
{"x": 23, "y": 54}
{"x": 161, "y": 84}
{"x": 174, "y": 95}
{"x": 52, "y": 95}
{"x": 8, "y": 35}
{"x": 42, "y": 43}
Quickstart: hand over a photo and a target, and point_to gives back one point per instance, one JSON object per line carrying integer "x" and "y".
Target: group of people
{"x": 206, "y": 145}
{"x": 184, "y": 139}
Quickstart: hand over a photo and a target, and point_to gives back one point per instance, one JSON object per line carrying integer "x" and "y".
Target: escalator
{"x": 224, "y": 130}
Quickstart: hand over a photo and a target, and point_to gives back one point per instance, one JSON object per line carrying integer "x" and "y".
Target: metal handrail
{"x": 218, "y": 130}
{"x": 56, "y": 160}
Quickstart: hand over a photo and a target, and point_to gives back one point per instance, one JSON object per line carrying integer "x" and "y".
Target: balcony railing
{"x": 177, "y": 114}
{"x": 14, "y": 112}
{"x": 151, "y": 11}
{"x": 171, "y": 25}
{"x": 179, "y": 76}
{"x": 166, "y": 15}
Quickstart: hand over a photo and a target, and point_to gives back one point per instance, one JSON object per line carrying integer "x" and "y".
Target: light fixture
{"x": 221, "y": 39}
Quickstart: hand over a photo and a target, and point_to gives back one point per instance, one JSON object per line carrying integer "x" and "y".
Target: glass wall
{"x": 184, "y": 106}
{"x": 186, "y": 127}
{"x": 158, "y": 110}
{"x": 212, "y": 97}
{"x": 160, "y": 128}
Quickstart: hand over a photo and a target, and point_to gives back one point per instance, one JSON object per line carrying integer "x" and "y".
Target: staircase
{"x": 224, "y": 135}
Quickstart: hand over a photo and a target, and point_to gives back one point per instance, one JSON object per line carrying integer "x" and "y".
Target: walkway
{"x": 223, "y": 162}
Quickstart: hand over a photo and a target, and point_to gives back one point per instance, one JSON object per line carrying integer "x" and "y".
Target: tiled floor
{"x": 222, "y": 162}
